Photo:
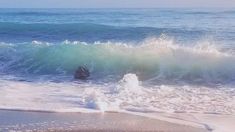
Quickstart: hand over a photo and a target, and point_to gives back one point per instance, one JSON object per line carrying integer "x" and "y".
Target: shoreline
{"x": 69, "y": 121}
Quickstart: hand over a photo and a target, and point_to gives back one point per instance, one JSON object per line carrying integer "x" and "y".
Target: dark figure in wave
{"x": 82, "y": 73}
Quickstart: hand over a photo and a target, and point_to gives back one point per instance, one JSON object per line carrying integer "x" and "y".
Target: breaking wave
{"x": 153, "y": 59}
{"x": 88, "y": 32}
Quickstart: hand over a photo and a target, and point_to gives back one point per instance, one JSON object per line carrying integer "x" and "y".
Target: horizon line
{"x": 116, "y": 7}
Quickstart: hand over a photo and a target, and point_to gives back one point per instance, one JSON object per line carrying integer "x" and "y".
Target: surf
{"x": 163, "y": 60}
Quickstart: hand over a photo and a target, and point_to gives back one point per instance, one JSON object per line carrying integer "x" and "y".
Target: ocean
{"x": 140, "y": 60}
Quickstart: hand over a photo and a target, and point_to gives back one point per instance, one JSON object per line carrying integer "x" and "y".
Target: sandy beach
{"x": 47, "y": 121}
{"x": 210, "y": 121}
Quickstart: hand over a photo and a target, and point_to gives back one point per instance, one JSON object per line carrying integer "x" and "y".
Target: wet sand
{"x": 13, "y": 120}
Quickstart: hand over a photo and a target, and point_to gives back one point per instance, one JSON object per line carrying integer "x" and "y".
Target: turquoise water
{"x": 157, "y": 52}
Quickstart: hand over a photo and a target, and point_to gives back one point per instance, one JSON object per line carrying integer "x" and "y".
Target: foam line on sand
{"x": 43, "y": 121}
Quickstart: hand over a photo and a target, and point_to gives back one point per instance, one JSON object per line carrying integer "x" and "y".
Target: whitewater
{"x": 156, "y": 75}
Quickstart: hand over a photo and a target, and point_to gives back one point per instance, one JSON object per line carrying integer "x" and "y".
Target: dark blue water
{"x": 89, "y": 25}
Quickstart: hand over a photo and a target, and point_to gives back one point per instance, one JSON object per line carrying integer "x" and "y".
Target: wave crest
{"x": 152, "y": 59}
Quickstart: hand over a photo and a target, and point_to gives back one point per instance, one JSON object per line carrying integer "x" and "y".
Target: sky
{"x": 115, "y": 3}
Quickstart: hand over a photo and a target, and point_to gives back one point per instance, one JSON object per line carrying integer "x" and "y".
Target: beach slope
{"x": 47, "y": 121}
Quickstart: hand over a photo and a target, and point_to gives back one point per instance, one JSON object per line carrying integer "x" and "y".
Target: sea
{"x": 167, "y": 60}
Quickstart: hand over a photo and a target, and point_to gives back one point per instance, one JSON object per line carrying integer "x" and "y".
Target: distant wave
{"x": 204, "y": 12}
{"x": 28, "y": 13}
{"x": 21, "y": 32}
{"x": 102, "y": 12}
{"x": 153, "y": 59}
{"x": 63, "y": 12}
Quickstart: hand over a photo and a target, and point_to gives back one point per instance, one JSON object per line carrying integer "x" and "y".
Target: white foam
{"x": 95, "y": 100}
{"x": 89, "y": 97}
{"x": 131, "y": 96}
{"x": 130, "y": 84}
